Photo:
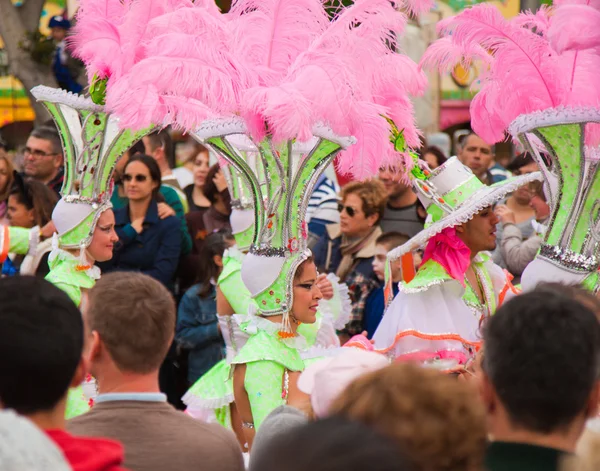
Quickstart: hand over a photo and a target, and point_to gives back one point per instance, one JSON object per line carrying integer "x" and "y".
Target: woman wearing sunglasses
{"x": 347, "y": 249}
{"x": 146, "y": 242}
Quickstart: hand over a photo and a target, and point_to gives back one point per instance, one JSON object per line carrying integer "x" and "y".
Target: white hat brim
{"x": 482, "y": 199}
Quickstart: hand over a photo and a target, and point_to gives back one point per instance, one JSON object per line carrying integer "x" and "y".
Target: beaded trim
{"x": 268, "y": 251}
{"x": 569, "y": 259}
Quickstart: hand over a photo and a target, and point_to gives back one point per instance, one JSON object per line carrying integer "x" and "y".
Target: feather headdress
{"x": 298, "y": 87}
{"x": 279, "y": 64}
{"x": 540, "y": 83}
{"x": 532, "y": 62}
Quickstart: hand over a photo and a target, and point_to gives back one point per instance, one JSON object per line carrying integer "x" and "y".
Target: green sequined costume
{"x": 65, "y": 275}
{"x": 267, "y": 358}
{"x": 210, "y": 396}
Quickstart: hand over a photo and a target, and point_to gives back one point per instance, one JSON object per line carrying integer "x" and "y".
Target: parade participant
{"x": 437, "y": 315}
{"x": 83, "y": 217}
{"x": 556, "y": 111}
{"x": 303, "y": 88}
{"x": 211, "y": 397}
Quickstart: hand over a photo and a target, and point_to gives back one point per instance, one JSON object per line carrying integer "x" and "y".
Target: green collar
{"x": 432, "y": 273}
{"x": 264, "y": 346}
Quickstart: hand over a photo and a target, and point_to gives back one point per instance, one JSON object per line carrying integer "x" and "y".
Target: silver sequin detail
{"x": 569, "y": 259}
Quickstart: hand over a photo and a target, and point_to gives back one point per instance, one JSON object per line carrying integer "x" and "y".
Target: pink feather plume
{"x": 280, "y": 64}
{"x": 97, "y": 40}
{"x": 575, "y": 27}
{"x": 532, "y": 62}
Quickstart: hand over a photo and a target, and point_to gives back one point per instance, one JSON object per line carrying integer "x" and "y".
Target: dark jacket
{"x": 171, "y": 199}
{"x": 154, "y": 251}
{"x": 328, "y": 255}
{"x": 197, "y": 330}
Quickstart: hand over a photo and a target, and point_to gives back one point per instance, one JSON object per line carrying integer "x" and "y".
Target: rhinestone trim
{"x": 569, "y": 259}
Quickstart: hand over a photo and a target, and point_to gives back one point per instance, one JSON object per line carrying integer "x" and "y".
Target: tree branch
{"x": 30, "y": 13}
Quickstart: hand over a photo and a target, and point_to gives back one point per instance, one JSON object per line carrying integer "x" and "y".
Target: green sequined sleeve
{"x": 264, "y": 385}
{"x": 19, "y": 240}
{"x": 235, "y": 291}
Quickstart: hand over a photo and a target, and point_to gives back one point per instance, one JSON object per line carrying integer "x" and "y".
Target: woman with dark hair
{"x": 197, "y": 326}
{"x": 30, "y": 204}
{"x": 215, "y": 189}
{"x": 146, "y": 242}
{"x": 433, "y": 156}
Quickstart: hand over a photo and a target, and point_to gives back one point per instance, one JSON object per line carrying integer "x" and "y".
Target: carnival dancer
{"x": 302, "y": 88}
{"x": 211, "y": 397}
{"x": 437, "y": 315}
{"x": 556, "y": 112}
{"x": 83, "y": 217}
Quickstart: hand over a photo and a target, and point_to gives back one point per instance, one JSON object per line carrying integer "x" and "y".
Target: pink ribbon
{"x": 447, "y": 249}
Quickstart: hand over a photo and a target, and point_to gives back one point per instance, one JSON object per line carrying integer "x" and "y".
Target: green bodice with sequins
{"x": 266, "y": 358}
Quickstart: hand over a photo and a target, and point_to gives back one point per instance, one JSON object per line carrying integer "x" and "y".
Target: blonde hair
{"x": 436, "y": 420}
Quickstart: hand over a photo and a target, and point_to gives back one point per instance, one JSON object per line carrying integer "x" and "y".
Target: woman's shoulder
{"x": 169, "y": 222}
{"x": 263, "y": 346}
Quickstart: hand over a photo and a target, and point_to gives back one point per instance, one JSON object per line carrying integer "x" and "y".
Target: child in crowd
{"x": 375, "y": 303}
{"x": 197, "y": 326}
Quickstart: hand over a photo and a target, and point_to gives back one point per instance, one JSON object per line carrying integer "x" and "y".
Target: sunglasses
{"x": 138, "y": 178}
{"x": 350, "y": 211}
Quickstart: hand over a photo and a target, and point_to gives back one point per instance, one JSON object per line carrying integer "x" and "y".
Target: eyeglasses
{"x": 38, "y": 154}
{"x": 350, "y": 211}
{"x": 138, "y": 178}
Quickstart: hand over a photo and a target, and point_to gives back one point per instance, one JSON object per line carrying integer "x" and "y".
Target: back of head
{"x": 333, "y": 444}
{"x": 392, "y": 239}
{"x": 163, "y": 140}
{"x": 542, "y": 354}
{"x": 435, "y": 420}
{"x": 48, "y": 133}
{"x": 214, "y": 245}
{"x": 134, "y": 315}
{"x": 41, "y": 340}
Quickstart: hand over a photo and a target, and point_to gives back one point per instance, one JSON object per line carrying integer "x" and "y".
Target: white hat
{"x": 325, "y": 380}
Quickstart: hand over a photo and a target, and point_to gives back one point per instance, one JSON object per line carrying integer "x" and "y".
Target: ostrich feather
{"x": 485, "y": 25}
{"x": 592, "y": 3}
{"x": 96, "y": 39}
{"x": 538, "y": 21}
{"x": 135, "y": 25}
{"x": 575, "y": 27}
{"x": 270, "y": 34}
{"x": 444, "y": 54}
{"x": 281, "y": 65}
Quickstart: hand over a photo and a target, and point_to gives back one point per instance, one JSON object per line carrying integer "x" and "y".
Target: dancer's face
{"x": 104, "y": 239}
{"x": 479, "y": 234}
{"x": 306, "y": 293}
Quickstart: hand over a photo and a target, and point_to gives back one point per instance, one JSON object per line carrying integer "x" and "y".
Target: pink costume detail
{"x": 450, "y": 252}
